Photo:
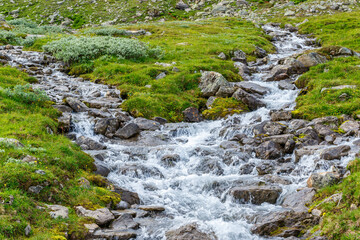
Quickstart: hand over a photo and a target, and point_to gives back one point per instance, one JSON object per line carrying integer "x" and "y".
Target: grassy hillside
{"x": 53, "y": 162}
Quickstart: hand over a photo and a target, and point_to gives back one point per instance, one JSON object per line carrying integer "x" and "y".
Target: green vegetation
{"x": 27, "y": 116}
{"x": 193, "y": 46}
{"x": 341, "y": 218}
{"x": 320, "y": 102}
{"x": 223, "y": 107}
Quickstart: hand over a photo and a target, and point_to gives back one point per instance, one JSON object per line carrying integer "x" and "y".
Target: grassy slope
{"x": 341, "y": 29}
{"x": 62, "y": 161}
{"x": 194, "y": 46}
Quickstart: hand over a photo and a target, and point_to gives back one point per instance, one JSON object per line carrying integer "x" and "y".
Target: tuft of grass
{"x": 223, "y": 107}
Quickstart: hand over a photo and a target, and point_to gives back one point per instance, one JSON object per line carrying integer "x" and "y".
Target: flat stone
{"x": 256, "y": 194}
{"x": 102, "y": 216}
{"x": 58, "y": 211}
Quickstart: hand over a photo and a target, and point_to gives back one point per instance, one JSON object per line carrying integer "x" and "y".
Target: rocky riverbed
{"x": 249, "y": 176}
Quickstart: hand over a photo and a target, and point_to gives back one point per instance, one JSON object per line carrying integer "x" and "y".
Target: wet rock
{"x": 139, "y": 171}
{"x": 188, "y": 232}
{"x": 269, "y": 128}
{"x": 280, "y": 115}
{"x": 297, "y": 200}
{"x": 63, "y": 108}
{"x": 269, "y": 150}
{"x": 307, "y": 150}
{"x": 256, "y": 194}
{"x": 192, "y": 114}
{"x": 170, "y": 160}
{"x": 150, "y": 208}
{"x": 323, "y": 179}
{"x": 323, "y": 130}
{"x": 335, "y": 152}
{"x": 209, "y": 165}
{"x": 122, "y": 205}
{"x": 349, "y": 126}
{"x": 244, "y": 70}
{"x": 260, "y": 53}
{"x": 76, "y": 104}
{"x": 265, "y": 168}
{"x": 280, "y": 222}
{"x": 251, "y": 87}
{"x": 124, "y": 222}
{"x": 101, "y": 169}
{"x": 250, "y": 100}
{"x": 246, "y": 168}
{"x": 102, "y": 216}
{"x": 113, "y": 234}
{"x": 128, "y": 196}
{"x": 58, "y": 211}
{"x": 107, "y": 126}
{"x": 89, "y": 143}
{"x": 297, "y": 124}
{"x": 128, "y": 131}
{"x": 286, "y": 85}
{"x": 211, "y": 82}
{"x": 145, "y": 124}
{"x": 229, "y": 144}
{"x": 99, "y": 113}
{"x": 291, "y": 66}
{"x": 307, "y": 137}
{"x": 276, "y": 179}
{"x": 312, "y": 59}
{"x": 160, "y": 120}
{"x": 331, "y": 121}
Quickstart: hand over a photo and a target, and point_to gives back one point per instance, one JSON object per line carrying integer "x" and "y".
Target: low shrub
{"x": 26, "y": 94}
{"x": 106, "y": 31}
{"x": 78, "y": 49}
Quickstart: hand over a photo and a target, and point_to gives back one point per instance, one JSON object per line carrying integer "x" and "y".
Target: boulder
{"x": 350, "y": 126}
{"x": 250, "y": 100}
{"x": 128, "y": 131}
{"x": 280, "y": 115}
{"x": 284, "y": 224}
{"x": 335, "y": 152}
{"x": 286, "y": 85}
{"x": 64, "y": 123}
{"x": 113, "y": 234}
{"x": 145, "y": 124}
{"x": 189, "y": 232}
{"x": 297, "y": 200}
{"x": 124, "y": 222}
{"x": 12, "y": 141}
{"x": 211, "y": 82}
{"x": 128, "y": 196}
{"x": 76, "y": 104}
{"x": 265, "y": 168}
{"x": 269, "y": 128}
{"x": 101, "y": 169}
{"x": 311, "y": 59}
{"x": 256, "y": 194}
{"x": 192, "y": 114}
{"x": 102, "y": 216}
{"x": 297, "y": 124}
{"x": 269, "y": 150}
{"x": 170, "y": 160}
{"x": 58, "y": 211}
{"x": 244, "y": 71}
{"x": 307, "y": 150}
{"x": 181, "y": 5}
{"x": 239, "y": 56}
{"x": 323, "y": 179}
{"x": 89, "y": 144}
{"x": 251, "y": 87}
{"x": 260, "y": 53}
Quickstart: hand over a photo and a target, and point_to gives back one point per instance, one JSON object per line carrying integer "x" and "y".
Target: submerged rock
{"x": 256, "y": 194}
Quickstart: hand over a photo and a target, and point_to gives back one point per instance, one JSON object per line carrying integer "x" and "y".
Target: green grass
{"x": 314, "y": 104}
{"x": 62, "y": 161}
{"x": 194, "y": 46}
{"x": 341, "y": 222}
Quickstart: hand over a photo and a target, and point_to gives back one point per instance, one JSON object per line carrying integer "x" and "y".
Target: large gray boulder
{"x": 211, "y": 82}
{"x": 269, "y": 150}
{"x": 58, "y": 211}
{"x": 146, "y": 124}
{"x": 251, "y": 87}
{"x": 76, "y": 104}
{"x": 102, "y": 216}
{"x": 335, "y": 152}
{"x": 323, "y": 179}
{"x": 124, "y": 222}
{"x": 250, "y": 100}
{"x": 189, "y": 232}
{"x": 297, "y": 200}
{"x": 311, "y": 59}
{"x": 256, "y": 194}
{"x": 89, "y": 144}
{"x": 128, "y": 131}
{"x": 349, "y": 126}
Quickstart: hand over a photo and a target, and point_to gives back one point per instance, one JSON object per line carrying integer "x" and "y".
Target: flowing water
{"x": 193, "y": 190}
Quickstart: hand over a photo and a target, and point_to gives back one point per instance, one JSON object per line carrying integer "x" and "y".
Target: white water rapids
{"x": 191, "y": 191}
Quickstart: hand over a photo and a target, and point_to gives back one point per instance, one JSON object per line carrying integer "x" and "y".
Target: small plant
{"x": 107, "y": 31}
{"x": 26, "y": 94}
